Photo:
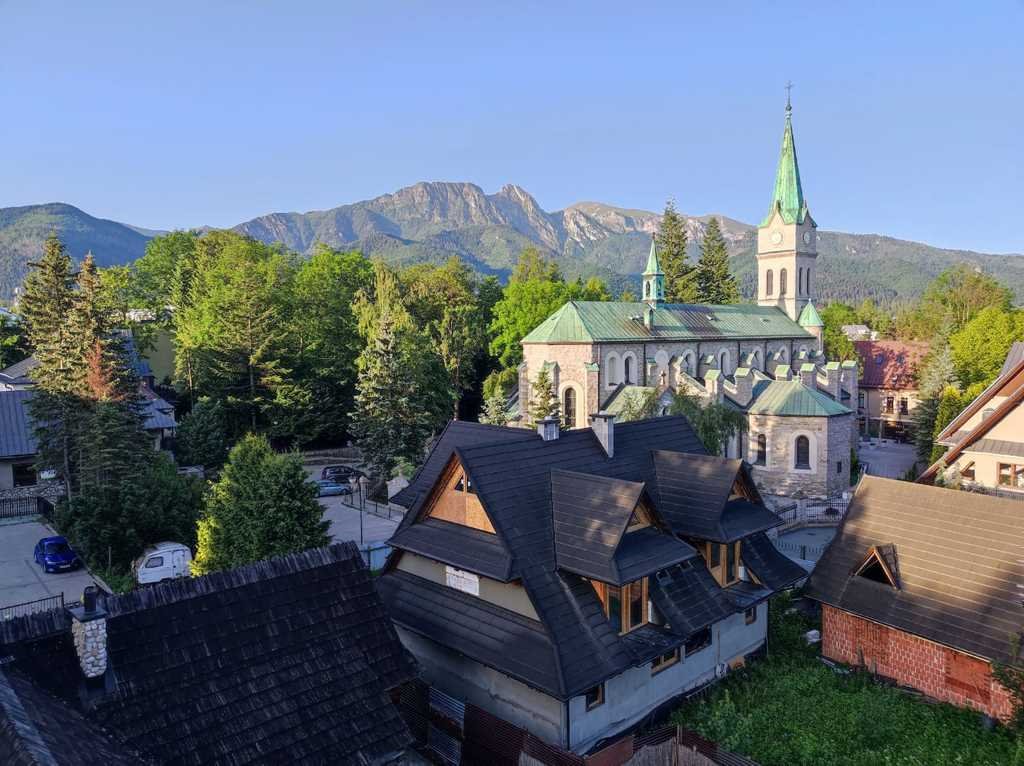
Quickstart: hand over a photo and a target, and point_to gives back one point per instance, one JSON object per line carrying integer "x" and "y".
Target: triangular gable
{"x": 745, "y": 487}
{"x": 453, "y": 498}
{"x": 1007, "y": 383}
{"x": 880, "y": 566}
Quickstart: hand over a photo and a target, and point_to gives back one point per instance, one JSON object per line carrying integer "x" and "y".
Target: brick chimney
{"x": 548, "y": 429}
{"x": 833, "y": 373}
{"x": 782, "y": 372}
{"x": 809, "y": 375}
{"x": 89, "y": 631}
{"x": 850, "y": 381}
{"x": 603, "y": 425}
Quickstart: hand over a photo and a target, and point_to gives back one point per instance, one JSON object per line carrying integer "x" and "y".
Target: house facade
{"x": 921, "y": 586}
{"x": 572, "y": 582}
{"x": 986, "y": 440}
{"x": 887, "y": 392}
{"x": 754, "y": 357}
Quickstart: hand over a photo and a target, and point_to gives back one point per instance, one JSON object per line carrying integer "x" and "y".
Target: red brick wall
{"x": 941, "y": 673}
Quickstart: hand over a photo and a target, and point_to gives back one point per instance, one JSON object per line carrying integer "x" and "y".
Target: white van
{"x": 164, "y": 561}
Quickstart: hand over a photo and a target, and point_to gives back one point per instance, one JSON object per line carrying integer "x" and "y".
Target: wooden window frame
{"x": 967, "y": 472}
{"x": 625, "y": 623}
{"x": 719, "y": 571}
{"x": 600, "y": 697}
{"x": 665, "y": 661}
{"x": 1014, "y": 470}
{"x": 750, "y": 615}
{"x": 797, "y": 465}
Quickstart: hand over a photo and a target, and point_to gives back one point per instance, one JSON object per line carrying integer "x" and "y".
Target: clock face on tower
{"x": 776, "y": 237}
{"x": 807, "y": 237}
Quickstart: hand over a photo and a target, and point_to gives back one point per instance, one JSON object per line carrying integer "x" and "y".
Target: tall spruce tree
{"x": 544, "y": 402}
{"x": 672, "y": 241}
{"x": 715, "y": 283}
{"x": 937, "y": 373}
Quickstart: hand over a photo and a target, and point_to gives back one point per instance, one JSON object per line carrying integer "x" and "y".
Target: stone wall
{"x": 940, "y": 672}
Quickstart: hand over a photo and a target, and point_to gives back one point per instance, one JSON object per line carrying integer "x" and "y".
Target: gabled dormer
{"x": 880, "y": 565}
{"x": 454, "y": 499}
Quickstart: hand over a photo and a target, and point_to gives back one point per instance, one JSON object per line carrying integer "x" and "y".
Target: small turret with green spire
{"x": 654, "y": 278}
{"x": 810, "y": 317}
{"x": 788, "y": 195}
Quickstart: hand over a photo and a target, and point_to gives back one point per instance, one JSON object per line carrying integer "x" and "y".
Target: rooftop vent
{"x": 603, "y": 426}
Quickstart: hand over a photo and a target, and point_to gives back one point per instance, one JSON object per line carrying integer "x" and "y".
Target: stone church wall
{"x": 830, "y": 444}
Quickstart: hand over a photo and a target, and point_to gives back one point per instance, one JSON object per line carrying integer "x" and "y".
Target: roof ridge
{"x": 176, "y": 591}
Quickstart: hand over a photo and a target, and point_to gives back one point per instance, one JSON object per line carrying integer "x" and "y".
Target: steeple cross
{"x": 789, "y": 88}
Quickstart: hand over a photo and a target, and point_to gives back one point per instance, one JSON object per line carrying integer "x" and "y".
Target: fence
{"x": 829, "y": 510}
{"x": 454, "y": 732}
{"x": 360, "y": 502}
{"x": 17, "y": 507}
{"x": 800, "y": 550}
{"x": 31, "y": 607}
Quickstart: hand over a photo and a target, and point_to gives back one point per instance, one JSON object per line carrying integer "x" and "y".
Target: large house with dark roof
{"x": 286, "y": 661}
{"x": 922, "y": 585}
{"x": 986, "y": 440}
{"x": 573, "y": 582}
{"x": 765, "y": 360}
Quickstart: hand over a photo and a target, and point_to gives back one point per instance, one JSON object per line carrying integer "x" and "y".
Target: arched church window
{"x": 627, "y": 366}
{"x": 723, "y": 361}
{"x": 803, "y": 452}
{"x": 807, "y": 282}
{"x": 782, "y": 282}
{"x": 755, "y": 359}
{"x": 762, "y": 449}
{"x": 800, "y": 281}
{"x": 769, "y": 288}
{"x": 612, "y": 370}
{"x": 688, "y": 364}
{"x": 569, "y": 407}
{"x": 647, "y": 289}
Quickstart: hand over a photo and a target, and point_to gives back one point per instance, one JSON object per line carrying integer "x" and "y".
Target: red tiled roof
{"x": 889, "y": 363}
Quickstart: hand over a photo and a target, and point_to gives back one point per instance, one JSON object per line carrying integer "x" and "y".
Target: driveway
{"x": 345, "y": 521}
{"x": 21, "y": 579}
{"x": 889, "y": 459}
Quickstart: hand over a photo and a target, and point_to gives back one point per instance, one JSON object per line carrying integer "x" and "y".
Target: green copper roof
{"x": 788, "y": 196}
{"x": 809, "y": 317}
{"x": 625, "y": 396}
{"x": 792, "y": 398}
{"x": 653, "y": 264}
{"x": 604, "y": 321}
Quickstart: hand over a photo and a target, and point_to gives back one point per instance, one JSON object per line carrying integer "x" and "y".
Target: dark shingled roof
{"x": 771, "y": 567}
{"x": 287, "y": 660}
{"x": 689, "y": 597}
{"x": 543, "y": 498}
{"x": 958, "y": 561}
{"x": 464, "y": 547}
{"x": 16, "y": 437}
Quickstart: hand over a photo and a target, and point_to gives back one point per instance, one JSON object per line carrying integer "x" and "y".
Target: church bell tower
{"x": 787, "y": 238}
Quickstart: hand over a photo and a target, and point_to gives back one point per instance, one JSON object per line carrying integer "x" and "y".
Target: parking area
{"x": 21, "y": 579}
{"x": 887, "y": 458}
{"x": 345, "y": 520}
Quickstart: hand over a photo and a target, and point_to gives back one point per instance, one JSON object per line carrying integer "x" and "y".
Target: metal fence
{"x": 360, "y": 502}
{"x": 800, "y": 550}
{"x": 17, "y": 507}
{"x": 815, "y": 511}
{"x": 31, "y": 607}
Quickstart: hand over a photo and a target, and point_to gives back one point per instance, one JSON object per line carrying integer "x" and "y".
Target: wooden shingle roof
{"x": 959, "y": 561}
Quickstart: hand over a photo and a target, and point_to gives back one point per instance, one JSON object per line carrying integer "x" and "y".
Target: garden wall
{"x": 938, "y": 671}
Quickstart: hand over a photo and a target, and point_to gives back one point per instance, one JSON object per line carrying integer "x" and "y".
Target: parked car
{"x": 340, "y": 473}
{"x": 327, "y": 487}
{"x": 163, "y": 561}
{"x": 54, "y": 554}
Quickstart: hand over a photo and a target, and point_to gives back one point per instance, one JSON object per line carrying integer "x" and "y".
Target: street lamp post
{"x": 354, "y": 482}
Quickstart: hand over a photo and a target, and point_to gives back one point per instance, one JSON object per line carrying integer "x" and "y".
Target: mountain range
{"x": 433, "y": 221}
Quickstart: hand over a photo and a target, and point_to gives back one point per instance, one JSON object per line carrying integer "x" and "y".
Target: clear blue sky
{"x": 909, "y": 116}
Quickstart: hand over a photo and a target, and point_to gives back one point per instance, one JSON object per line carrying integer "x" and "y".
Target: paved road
{"x": 890, "y": 459}
{"x": 345, "y": 522}
{"x": 21, "y": 579}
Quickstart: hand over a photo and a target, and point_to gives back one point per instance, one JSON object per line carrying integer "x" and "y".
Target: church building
{"x": 765, "y": 360}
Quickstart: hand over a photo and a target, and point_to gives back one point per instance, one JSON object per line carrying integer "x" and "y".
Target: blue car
{"x": 54, "y": 554}
{"x": 326, "y": 487}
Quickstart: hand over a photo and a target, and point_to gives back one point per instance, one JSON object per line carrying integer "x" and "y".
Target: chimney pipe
{"x": 603, "y": 425}
{"x": 548, "y": 429}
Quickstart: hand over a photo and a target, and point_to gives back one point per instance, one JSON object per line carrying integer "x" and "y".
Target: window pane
{"x": 636, "y": 604}
{"x": 716, "y": 555}
{"x": 730, "y": 562}
{"x": 569, "y": 407}
{"x": 1004, "y": 474}
{"x": 615, "y": 607}
{"x": 803, "y": 452}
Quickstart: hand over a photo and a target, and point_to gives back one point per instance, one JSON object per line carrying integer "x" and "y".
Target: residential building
{"x": 290, "y": 660}
{"x": 572, "y": 582}
{"x": 766, "y": 359}
{"x": 986, "y": 440}
{"x": 921, "y": 585}
{"x": 859, "y": 332}
{"x": 887, "y": 392}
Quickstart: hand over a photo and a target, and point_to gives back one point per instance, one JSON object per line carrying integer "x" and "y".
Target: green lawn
{"x": 791, "y": 710}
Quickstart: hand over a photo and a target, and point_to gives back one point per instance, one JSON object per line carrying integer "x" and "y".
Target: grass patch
{"x": 791, "y": 710}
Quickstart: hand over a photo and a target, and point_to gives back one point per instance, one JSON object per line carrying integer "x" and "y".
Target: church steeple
{"x": 654, "y": 277}
{"x": 788, "y": 195}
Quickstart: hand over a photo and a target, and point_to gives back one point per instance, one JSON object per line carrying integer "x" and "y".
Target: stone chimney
{"x": 833, "y": 374}
{"x": 603, "y": 425}
{"x": 89, "y": 631}
{"x": 548, "y": 429}
{"x": 744, "y": 387}
{"x": 809, "y": 375}
{"x": 782, "y": 372}
{"x": 713, "y": 384}
{"x": 850, "y": 381}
